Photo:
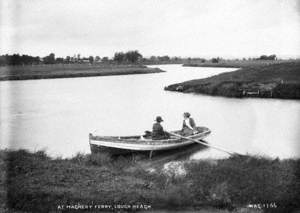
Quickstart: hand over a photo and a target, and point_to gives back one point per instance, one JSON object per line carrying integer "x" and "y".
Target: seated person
{"x": 158, "y": 132}
{"x": 189, "y": 125}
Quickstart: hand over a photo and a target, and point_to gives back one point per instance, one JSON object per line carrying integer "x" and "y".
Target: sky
{"x": 186, "y": 28}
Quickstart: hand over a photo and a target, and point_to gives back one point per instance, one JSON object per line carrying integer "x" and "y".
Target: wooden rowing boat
{"x": 127, "y": 144}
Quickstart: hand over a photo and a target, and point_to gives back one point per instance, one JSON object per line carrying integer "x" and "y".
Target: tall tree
{"x": 68, "y": 59}
{"x": 97, "y": 58}
{"x": 91, "y": 59}
{"x": 105, "y": 59}
{"x": 119, "y": 57}
{"x": 50, "y": 59}
{"x": 133, "y": 56}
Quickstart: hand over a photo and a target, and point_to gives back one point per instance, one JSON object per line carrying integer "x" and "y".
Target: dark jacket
{"x": 158, "y": 132}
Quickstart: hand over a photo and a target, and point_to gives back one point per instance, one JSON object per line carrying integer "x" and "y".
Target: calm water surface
{"x": 57, "y": 114}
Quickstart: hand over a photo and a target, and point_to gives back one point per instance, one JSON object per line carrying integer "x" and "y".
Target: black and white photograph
{"x": 150, "y": 106}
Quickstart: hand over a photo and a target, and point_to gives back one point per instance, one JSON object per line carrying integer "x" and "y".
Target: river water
{"x": 56, "y": 115}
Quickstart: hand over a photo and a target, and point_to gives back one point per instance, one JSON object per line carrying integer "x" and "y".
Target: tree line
{"x": 17, "y": 59}
{"x": 132, "y": 56}
{"x": 129, "y": 57}
{"x": 265, "y": 57}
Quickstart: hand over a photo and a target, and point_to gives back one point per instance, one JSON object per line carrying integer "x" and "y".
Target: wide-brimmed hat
{"x": 187, "y": 114}
{"x": 159, "y": 119}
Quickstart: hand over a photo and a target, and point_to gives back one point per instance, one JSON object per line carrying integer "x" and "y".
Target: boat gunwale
{"x": 143, "y": 147}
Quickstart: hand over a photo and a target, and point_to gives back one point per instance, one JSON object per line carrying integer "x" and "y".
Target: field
{"x": 35, "y": 182}
{"x": 278, "y": 79}
{"x": 70, "y": 71}
{"x": 234, "y": 63}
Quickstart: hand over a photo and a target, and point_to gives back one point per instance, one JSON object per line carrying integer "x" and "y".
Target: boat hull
{"x": 134, "y": 144}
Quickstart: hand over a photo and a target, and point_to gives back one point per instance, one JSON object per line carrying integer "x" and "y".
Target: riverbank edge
{"x": 35, "y": 182}
{"x": 282, "y": 83}
{"x": 216, "y": 65}
{"x": 82, "y": 73}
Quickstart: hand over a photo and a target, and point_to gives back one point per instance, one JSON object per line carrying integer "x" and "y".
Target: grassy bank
{"x": 235, "y": 63}
{"x": 70, "y": 71}
{"x": 262, "y": 79}
{"x": 36, "y": 182}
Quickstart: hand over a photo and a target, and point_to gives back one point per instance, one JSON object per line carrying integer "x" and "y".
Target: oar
{"x": 206, "y": 144}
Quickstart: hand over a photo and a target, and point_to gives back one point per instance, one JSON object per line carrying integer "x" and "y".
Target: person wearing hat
{"x": 158, "y": 132}
{"x": 189, "y": 125}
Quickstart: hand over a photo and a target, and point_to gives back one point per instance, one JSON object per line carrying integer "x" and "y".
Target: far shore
{"x": 28, "y": 72}
{"x": 35, "y": 182}
{"x": 262, "y": 79}
{"x": 235, "y": 63}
